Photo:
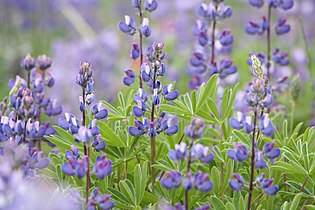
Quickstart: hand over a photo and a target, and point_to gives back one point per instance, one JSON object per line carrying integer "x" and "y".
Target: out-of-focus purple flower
{"x": 204, "y": 207}
{"x": 270, "y": 151}
{"x": 282, "y": 27}
{"x": 128, "y": 27}
{"x": 236, "y": 184}
{"x": 150, "y": 5}
{"x": 256, "y": 3}
{"x": 34, "y": 130}
{"x": 102, "y": 167}
{"x": 266, "y": 126}
{"x": 130, "y": 78}
{"x": 239, "y": 153}
{"x": 195, "y": 128}
{"x": 84, "y": 134}
{"x": 99, "y": 111}
{"x": 179, "y": 153}
{"x": 172, "y": 180}
{"x": 198, "y": 151}
{"x": 280, "y": 57}
{"x": 44, "y": 62}
{"x": 261, "y": 56}
{"x": 207, "y": 11}
{"x": 52, "y": 109}
{"x": 98, "y": 144}
{"x": 201, "y": 182}
{"x": 257, "y": 28}
{"x": 28, "y": 63}
{"x": 136, "y": 4}
{"x": 224, "y": 11}
{"x": 266, "y": 184}
{"x": 75, "y": 167}
{"x": 225, "y": 38}
{"x": 102, "y": 201}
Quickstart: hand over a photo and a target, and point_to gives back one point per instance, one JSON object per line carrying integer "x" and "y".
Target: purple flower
{"x": 84, "y": 134}
{"x": 256, "y": 3}
{"x": 168, "y": 93}
{"x": 150, "y": 5}
{"x": 270, "y": 151}
{"x": 102, "y": 201}
{"x": 225, "y": 38}
{"x": 75, "y": 167}
{"x": 35, "y": 130}
{"x": 44, "y": 62}
{"x": 238, "y": 122}
{"x": 260, "y": 161}
{"x": 236, "y": 184}
{"x": 136, "y": 4}
{"x": 266, "y": 184}
{"x": 128, "y": 27}
{"x": 52, "y": 109}
{"x": 224, "y": 12}
{"x": 266, "y": 126}
{"x": 201, "y": 182}
{"x": 146, "y": 72}
{"x": 98, "y": 144}
{"x": 130, "y": 78}
{"x": 282, "y": 27}
{"x": 207, "y": 11}
{"x": 179, "y": 153}
{"x": 195, "y": 128}
{"x": 99, "y": 111}
{"x": 145, "y": 28}
{"x": 102, "y": 167}
{"x": 28, "y": 63}
{"x": 140, "y": 109}
{"x": 134, "y": 52}
{"x": 139, "y": 128}
{"x": 204, "y": 207}
{"x": 257, "y": 28}
{"x": 239, "y": 153}
{"x": 172, "y": 180}
{"x": 69, "y": 123}
{"x": 280, "y": 57}
{"x": 198, "y": 151}
{"x": 248, "y": 127}
{"x": 197, "y": 59}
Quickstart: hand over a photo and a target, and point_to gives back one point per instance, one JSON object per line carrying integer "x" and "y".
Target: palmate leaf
{"x": 110, "y": 136}
{"x": 216, "y": 203}
{"x": 205, "y": 91}
{"x": 140, "y": 178}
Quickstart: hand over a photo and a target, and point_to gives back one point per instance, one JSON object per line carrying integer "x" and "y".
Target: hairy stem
{"x": 304, "y": 183}
{"x": 268, "y": 42}
{"x": 213, "y": 38}
{"x": 125, "y": 169}
{"x": 188, "y": 172}
{"x": 251, "y": 186}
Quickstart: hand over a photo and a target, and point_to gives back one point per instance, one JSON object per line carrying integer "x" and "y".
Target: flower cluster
{"x": 199, "y": 180}
{"x": 259, "y": 98}
{"x": 129, "y": 28}
{"x": 100, "y": 201}
{"x": 150, "y": 72}
{"x": 204, "y": 63}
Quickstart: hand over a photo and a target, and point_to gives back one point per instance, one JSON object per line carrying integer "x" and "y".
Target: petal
{"x": 101, "y": 114}
{"x": 235, "y": 185}
{"x": 272, "y": 190}
{"x": 171, "y": 130}
{"x": 274, "y": 153}
{"x": 172, "y": 95}
{"x": 67, "y": 169}
{"x": 135, "y": 131}
{"x": 234, "y": 123}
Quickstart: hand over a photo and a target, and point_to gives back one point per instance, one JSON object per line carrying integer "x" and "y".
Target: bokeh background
{"x": 71, "y": 31}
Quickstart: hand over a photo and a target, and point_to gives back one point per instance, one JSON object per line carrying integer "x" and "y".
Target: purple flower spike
{"x": 134, "y": 52}
{"x": 236, "y": 184}
{"x": 188, "y": 183}
{"x": 266, "y": 126}
{"x": 28, "y": 63}
{"x": 179, "y": 153}
{"x": 287, "y": 4}
{"x": 99, "y": 111}
{"x": 130, "y": 78}
{"x": 146, "y": 73}
{"x": 266, "y": 184}
{"x": 145, "y": 28}
{"x": 128, "y": 27}
{"x": 102, "y": 201}
{"x": 260, "y": 161}
{"x": 168, "y": 93}
{"x": 256, "y": 3}
{"x": 239, "y": 153}
{"x": 102, "y": 167}
{"x": 207, "y": 11}
{"x": 257, "y": 28}
{"x": 282, "y": 27}
{"x": 150, "y": 5}
{"x": 195, "y": 129}
{"x": 98, "y": 144}
{"x": 248, "y": 127}
{"x": 270, "y": 151}
{"x": 197, "y": 59}
{"x": 139, "y": 129}
{"x": 172, "y": 180}
{"x": 238, "y": 122}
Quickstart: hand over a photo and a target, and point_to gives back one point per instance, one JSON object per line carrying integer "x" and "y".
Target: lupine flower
{"x": 136, "y": 4}
{"x": 248, "y": 127}
{"x": 201, "y": 32}
{"x": 280, "y": 57}
{"x": 238, "y": 122}
{"x": 145, "y": 28}
{"x": 98, "y": 144}
{"x": 260, "y": 56}
{"x": 165, "y": 126}
{"x": 204, "y": 207}
{"x": 75, "y": 167}
{"x": 188, "y": 182}
{"x": 28, "y": 63}
{"x": 74, "y": 153}
{"x": 140, "y": 109}
{"x": 270, "y": 151}
{"x": 225, "y": 37}
{"x": 195, "y": 129}
{"x": 266, "y": 126}
{"x": 198, "y": 151}
{"x": 283, "y": 4}
{"x": 282, "y": 27}
{"x": 256, "y": 3}
{"x": 239, "y": 153}
{"x": 32, "y": 161}
{"x": 52, "y": 109}
{"x": 266, "y": 184}
{"x": 135, "y": 51}
{"x": 102, "y": 201}
{"x": 102, "y": 167}
{"x": 207, "y": 11}
{"x": 236, "y": 183}
{"x": 34, "y": 130}
{"x": 172, "y": 180}
{"x": 44, "y": 62}
{"x": 93, "y": 128}
{"x": 257, "y": 28}
{"x": 99, "y": 111}
{"x": 179, "y": 153}
{"x": 130, "y": 78}
{"x": 70, "y": 123}
{"x": 260, "y": 162}
{"x": 139, "y": 128}
{"x": 168, "y": 93}
{"x": 150, "y": 5}
{"x": 84, "y": 134}
{"x": 128, "y": 27}
{"x": 201, "y": 182}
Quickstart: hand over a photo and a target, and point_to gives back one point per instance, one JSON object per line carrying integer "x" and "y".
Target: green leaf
{"x": 296, "y": 201}
{"x": 213, "y": 109}
{"x": 310, "y": 207}
{"x": 111, "y": 137}
{"x": 149, "y": 198}
{"x": 140, "y": 178}
{"x": 215, "y": 178}
{"x": 230, "y": 206}
{"x": 66, "y": 136}
{"x": 217, "y": 203}
{"x": 119, "y": 198}
{"x": 207, "y": 91}
{"x": 127, "y": 189}
{"x": 176, "y": 111}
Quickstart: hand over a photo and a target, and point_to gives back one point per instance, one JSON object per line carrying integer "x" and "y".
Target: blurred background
{"x": 71, "y": 31}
